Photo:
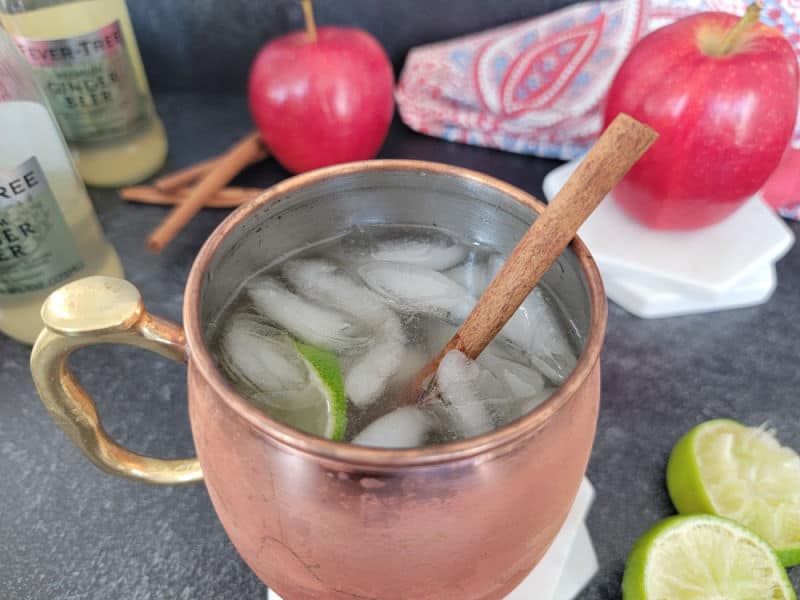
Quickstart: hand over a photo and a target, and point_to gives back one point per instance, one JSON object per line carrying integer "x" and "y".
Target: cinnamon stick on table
{"x": 190, "y": 175}
{"x": 227, "y": 197}
{"x": 245, "y": 152}
{"x": 186, "y": 176}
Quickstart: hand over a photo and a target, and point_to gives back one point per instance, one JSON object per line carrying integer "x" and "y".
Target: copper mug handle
{"x": 102, "y": 310}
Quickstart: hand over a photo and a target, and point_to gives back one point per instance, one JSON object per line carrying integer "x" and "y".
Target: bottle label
{"x": 37, "y": 249}
{"x": 90, "y": 82}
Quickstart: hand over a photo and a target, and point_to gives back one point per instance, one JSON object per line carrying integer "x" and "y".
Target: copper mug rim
{"x": 200, "y": 357}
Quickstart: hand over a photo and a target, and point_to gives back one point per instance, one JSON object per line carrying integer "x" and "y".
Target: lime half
{"x": 321, "y": 407}
{"x": 703, "y": 557}
{"x": 742, "y": 473}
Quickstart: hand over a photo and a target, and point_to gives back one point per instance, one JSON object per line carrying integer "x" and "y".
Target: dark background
{"x": 207, "y": 45}
{"x": 69, "y": 532}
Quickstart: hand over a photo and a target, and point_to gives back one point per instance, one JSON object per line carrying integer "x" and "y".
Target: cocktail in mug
{"x": 329, "y": 337}
{"x": 304, "y": 313}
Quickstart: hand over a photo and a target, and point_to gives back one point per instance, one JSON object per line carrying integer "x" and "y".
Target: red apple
{"x": 723, "y": 97}
{"x": 323, "y": 101}
{"x": 781, "y": 191}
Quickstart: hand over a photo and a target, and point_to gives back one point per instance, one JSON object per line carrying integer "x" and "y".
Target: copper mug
{"x": 317, "y": 519}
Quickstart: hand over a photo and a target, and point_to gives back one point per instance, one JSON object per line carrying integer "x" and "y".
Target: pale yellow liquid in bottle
{"x": 122, "y": 160}
{"x": 31, "y": 132}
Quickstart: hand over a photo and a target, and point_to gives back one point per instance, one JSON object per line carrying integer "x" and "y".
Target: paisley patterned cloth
{"x": 537, "y": 86}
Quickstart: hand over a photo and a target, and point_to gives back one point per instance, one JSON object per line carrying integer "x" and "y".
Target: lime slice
{"x": 325, "y": 413}
{"x": 742, "y": 473}
{"x": 703, "y": 557}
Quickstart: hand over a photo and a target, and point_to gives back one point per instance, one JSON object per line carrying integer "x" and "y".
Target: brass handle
{"x": 102, "y": 310}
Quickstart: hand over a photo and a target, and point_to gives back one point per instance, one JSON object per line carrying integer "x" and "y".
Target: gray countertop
{"x": 69, "y": 531}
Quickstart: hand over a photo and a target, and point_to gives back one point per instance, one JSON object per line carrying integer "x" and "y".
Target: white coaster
{"x": 649, "y": 301}
{"x": 713, "y": 260}
{"x": 567, "y": 566}
{"x": 580, "y": 567}
{"x": 544, "y": 579}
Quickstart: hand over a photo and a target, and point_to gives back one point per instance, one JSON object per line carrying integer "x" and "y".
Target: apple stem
{"x": 733, "y": 37}
{"x": 311, "y": 26}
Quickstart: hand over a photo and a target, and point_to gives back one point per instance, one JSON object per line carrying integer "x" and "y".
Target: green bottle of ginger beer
{"x": 49, "y": 233}
{"x": 85, "y": 57}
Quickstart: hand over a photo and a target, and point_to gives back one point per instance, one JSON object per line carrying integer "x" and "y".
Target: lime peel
{"x": 725, "y": 468}
{"x": 703, "y": 556}
{"x": 326, "y": 375}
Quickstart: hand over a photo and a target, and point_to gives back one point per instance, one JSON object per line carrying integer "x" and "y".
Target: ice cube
{"x": 463, "y": 275}
{"x": 432, "y": 254}
{"x": 421, "y": 246}
{"x": 324, "y": 282}
{"x": 551, "y": 351}
{"x": 522, "y": 332}
{"x": 531, "y": 328}
{"x": 511, "y": 364}
{"x": 531, "y": 403}
{"x": 437, "y": 334}
{"x": 415, "y": 289}
{"x": 470, "y": 417}
{"x": 413, "y": 362}
{"x": 519, "y": 329}
{"x": 371, "y": 373}
{"x": 536, "y": 328}
{"x": 264, "y": 363}
{"x": 405, "y": 427}
{"x": 473, "y": 274}
{"x": 464, "y": 385}
{"x": 522, "y": 381}
{"x": 494, "y": 262}
{"x": 311, "y": 323}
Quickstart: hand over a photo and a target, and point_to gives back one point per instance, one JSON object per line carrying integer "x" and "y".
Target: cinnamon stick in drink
{"x": 243, "y": 153}
{"x": 615, "y": 152}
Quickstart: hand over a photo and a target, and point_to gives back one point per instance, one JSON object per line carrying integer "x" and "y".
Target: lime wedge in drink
{"x": 742, "y": 473}
{"x": 297, "y": 384}
{"x": 320, "y": 406}
{"x": 703, "y": 557}
{"x": 326, "y": 415}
